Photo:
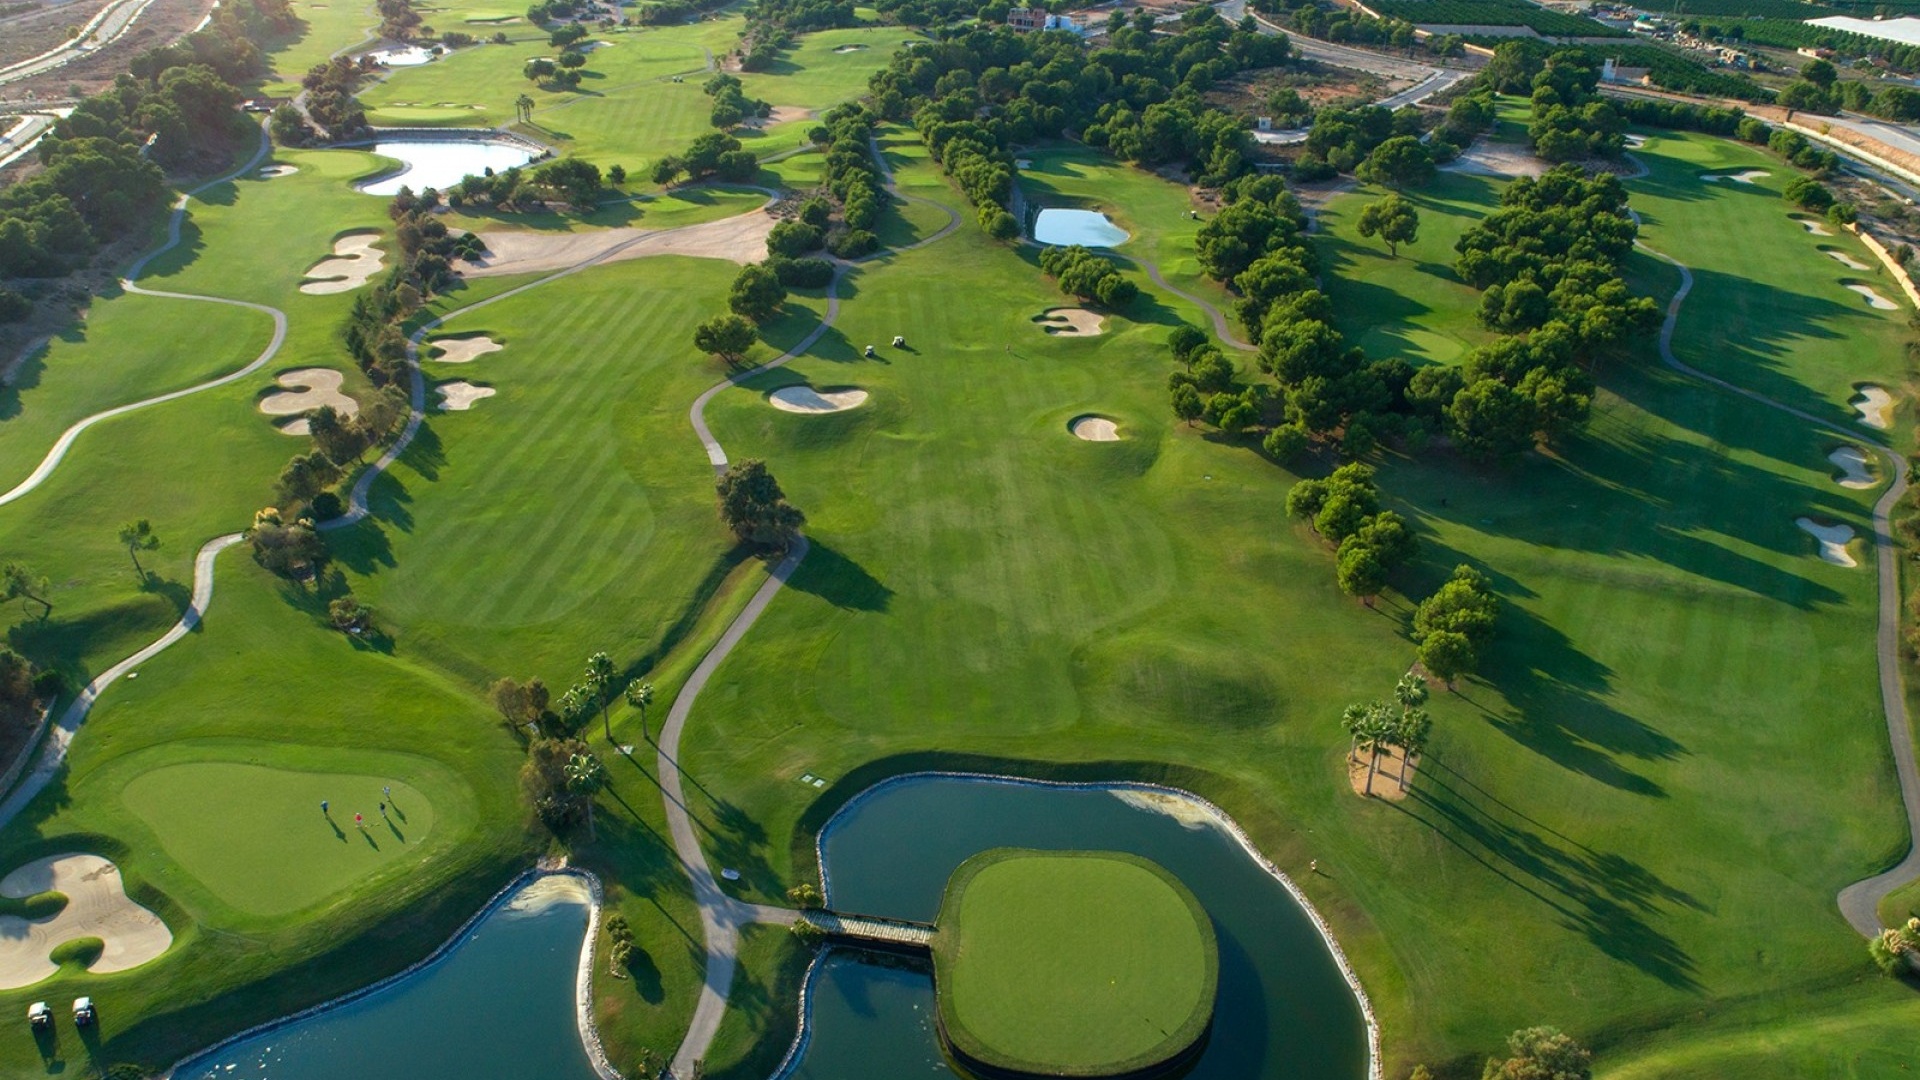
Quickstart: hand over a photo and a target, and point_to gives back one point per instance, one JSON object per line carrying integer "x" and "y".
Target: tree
{"x": 1410, "y": 734}
{"x": 1820, "y": 73}
{"x": 640, "y": 695}
{"x": 1371, "y": 727}
{"x": 1360, "y": 572}
{"x": 1448, "y": 654}
{"x": 1393, "y": 219}
{"x": 289, "y": 548}
{"x": 523, "y": 108}
{"x": 1400, "y": 162}
{"x": 757, "y": 293}
{"x": 754, "y": 507}
{"x": 136, "y": 537}
{"x": 305, "y": 476}
{"x": 1185, "y": 341}
{"x": 21, "y": 583}
{"x": 538, "y": 68}
{"x": 585, "y": 777}
{"x": 728, "y": 336}
{"x": 599, "y": 682}
{"x": 520, "y": 704}
{"x": 1187, "y": 404}
{"x": 348, "y": 615}
{"x": 1541, "y": 1053}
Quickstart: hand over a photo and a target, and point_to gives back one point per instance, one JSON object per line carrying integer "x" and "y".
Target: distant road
{"x": 22, "y": 136}
{"x": 113, "y": 21}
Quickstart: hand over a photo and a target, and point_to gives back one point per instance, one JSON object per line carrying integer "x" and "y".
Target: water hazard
{"x": 1088, "y": 228}
{"x": 1285, "y": 1010}
{"x": 499, "y": 1006}
{"x": 441, "y": 163}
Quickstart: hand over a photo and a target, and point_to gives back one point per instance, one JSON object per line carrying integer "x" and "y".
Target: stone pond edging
{"x": 1376, "y": 1068}
{"x": 583, "y": 988}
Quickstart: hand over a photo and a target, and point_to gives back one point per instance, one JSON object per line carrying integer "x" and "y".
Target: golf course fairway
{"x": 1072, "y": 963}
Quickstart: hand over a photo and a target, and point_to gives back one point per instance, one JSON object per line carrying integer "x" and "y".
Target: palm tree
{"x": 1410, "y": 691}
{"x": 640, "y": 695}
{"x": 1372, "y": 726}
{"x": 523, "y": 108}
{"x": 1410, "y": 734}
{"x": 139, "y": 536}
{"x": 586, "y": 776}
{"x": 599, "y": 683}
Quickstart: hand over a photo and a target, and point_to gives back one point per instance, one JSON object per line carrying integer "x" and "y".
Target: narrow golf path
{"x": 1859, "y": 902}
{"x": 1221, "y": 328}
{"x": 721, "y": 916}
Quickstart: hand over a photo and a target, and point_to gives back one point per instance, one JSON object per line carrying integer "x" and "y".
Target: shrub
{"x": 794, "y": 238}
{"x": 809, "y": 273}
{"x": 853, "y": 243}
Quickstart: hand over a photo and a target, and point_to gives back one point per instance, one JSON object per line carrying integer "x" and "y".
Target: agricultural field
{"x": 1493, "y": 13}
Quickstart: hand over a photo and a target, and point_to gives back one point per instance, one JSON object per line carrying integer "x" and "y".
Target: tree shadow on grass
{"x": 830, "y": 575}
{"x": 1606, "y": 897}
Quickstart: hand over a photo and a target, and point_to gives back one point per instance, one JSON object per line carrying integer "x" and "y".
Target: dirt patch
{"x": 1071, "y": 322}
{"x": 460, "y": 396}
{"x": 354, "y": 261}
{"x": 1852, "y": 463}
{"x": 739, "y": 239}
{"x": 1875, "y": 406}
{"x": 1488, "y": 158}
{"x": 1871, "y": 295}
{"x": 462, "y": 350}
{"x": 1386, "y": 765}
{"x": 1094, "y": 429}
{"x": 782, "y": 114}
{"x": 97, "y": 906}
{"x": 307, "y": 389}
{"x": 805, "y": 399}
{"x": 1833, "y": 540}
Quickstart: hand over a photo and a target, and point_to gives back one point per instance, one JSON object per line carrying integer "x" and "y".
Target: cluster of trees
{"x": 988, "y": 88}
{"x": 1895, "y": 951}
{"x": 1370, "y": 543}
{"x": 1452, "y": 628}
{"x": 1819, "y": 90}
{"x": 1667, "y": 68}
{"x": 573, "y": 181}
{"x": 23, "y": 687}
{"x": 564, "y": 71}
{"x": 1092, "y": 278}
{"x": 103, "y": 179}
{"x": 1791, "y": 145}
{"x": 339, "y": 442}
{"x": 1342, "y": 139}
{"x": 330, "y": 87}
{"x": 731, "y": 105}
{"x": 560, "y": 778}
{"x": 1540, "y": 1053}
{"x": 852, "y": 180}
{"x": 714, "y": 154}
{"x": 290, "y": 547}
{"x": 398, "y": 20}
{"x": 1339, "y": 24}
{"x": 1377, "y": 726}
{"x": 1789, "y": 32}
{"x": 373, "y": 335}
{"x": 755, "y": 508}
{"x": 802, "y": 16}
{"x": 757, "y": 293}
{"x": 1569, "y": 120}
{"x": 1549, "y": 264}
{"x": 1207, "y": 386}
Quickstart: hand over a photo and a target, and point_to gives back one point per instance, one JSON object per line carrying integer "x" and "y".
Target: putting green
{"x": 255, "y": 837}
{"x": 1072, "y": 964}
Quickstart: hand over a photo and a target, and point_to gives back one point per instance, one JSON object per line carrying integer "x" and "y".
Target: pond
{"x": 404, "y": 56}
{"x": 441, "y": 163}
{"x": 1285, "y": 1010}
{"x": 498, "y": 1006}
{"x": 1088, "y": 228}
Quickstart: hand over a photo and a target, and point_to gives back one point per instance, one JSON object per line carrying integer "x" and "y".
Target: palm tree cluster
{"x": 1378, "y": 726}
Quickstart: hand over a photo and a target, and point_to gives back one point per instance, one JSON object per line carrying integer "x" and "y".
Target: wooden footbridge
{"x": 872, "y": 930}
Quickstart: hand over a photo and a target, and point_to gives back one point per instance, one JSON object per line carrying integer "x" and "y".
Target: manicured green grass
{"x": 1607, "y": 802}
{"x": 329, "y": 26}
{"x": 1863, "y": 1030}
{"x": 1072, "y": 963}
{"x": 815, "y": 71}
{"x": 1901, "y": 904}
{"x": 38, "y": 906}
{"x": 257, "y": 838}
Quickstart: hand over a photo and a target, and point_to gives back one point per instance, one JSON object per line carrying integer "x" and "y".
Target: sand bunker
{"x": 1094, "y": 429}
{"x": 1745, "y": 176}
{"x": 272, "y": 171}
{"x": 1874, "y": 299}
{"x": 1845, "y": 260}
{"x": 307, "y": 390}
{"x": 97, "y": 906}
{"x": 354, "y": 260}
{"x": 739, "y": 239}
{"x": 781, "y": 114}
{"x": 463, "y": 350}
{"x": 1635, "y": 142}
{"x": 1814, "y": 227}
{"x": 805, "y": 399}
{"x": 1485, "y": 158}
{"x": 1833, "y": 540}
{"x": 460, "y": 396}
{"x": 849, "y": 48}
{"x": 1875, "y": 406}
{"x": 1071, "y": 322}
{"x": 1852, "y": 463}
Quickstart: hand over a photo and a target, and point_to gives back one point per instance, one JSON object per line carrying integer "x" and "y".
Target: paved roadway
{"x": 114, "y": 20}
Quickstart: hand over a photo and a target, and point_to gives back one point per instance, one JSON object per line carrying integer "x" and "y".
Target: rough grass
{"x": 1071, "y": 963}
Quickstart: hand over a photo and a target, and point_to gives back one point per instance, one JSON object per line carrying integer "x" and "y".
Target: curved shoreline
{"x": 589, "y": 1033}
{"x": 1220, "y": 818}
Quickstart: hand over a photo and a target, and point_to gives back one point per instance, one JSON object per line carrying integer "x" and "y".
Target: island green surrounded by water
{"x": 1074, "y": 963}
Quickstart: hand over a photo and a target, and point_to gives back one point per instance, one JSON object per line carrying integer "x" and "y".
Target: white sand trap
{"x": 805, "y": 399}
{"x": 1852, "y": 463}
{"x": 460, "y": 396}
{"x": 1486, "y": 158}
{"x": 308, "y": 389}
{"x": 594, "y": 46}
{"x": 1072, "y": 322}
{"x": 1874, "y": 299}
{"x": 354, "y": 260}
{"x": 1833, "y": 540}
{"x": 463, "y": 350}
{"x": 272, "y": 171}
{"x": 1875, "y": 406}
{"x": 97, "y": 906}
{"x": 1094, "y": 429}
{"x": 849, "y": 48}
{"x": 1846, "y": 260}
{"x": 1635, "y": 142}
{"x": 1814, "y": 227}
{"x": 1745, "y": 176}
{"x": 739, "y": 239}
